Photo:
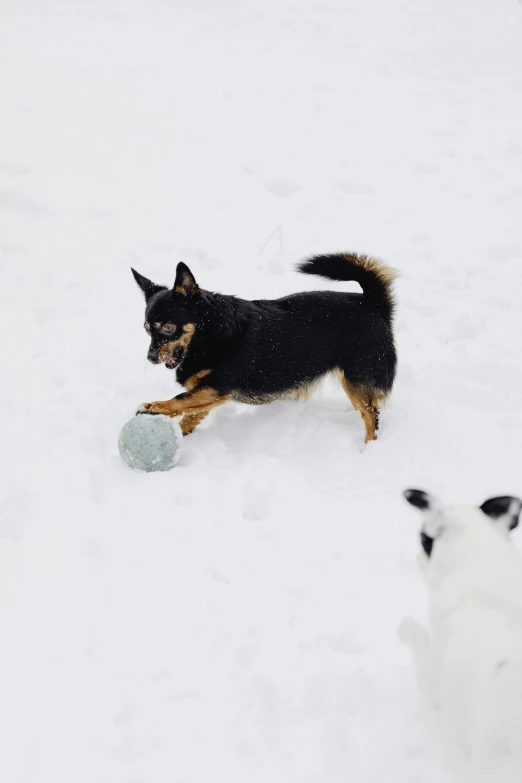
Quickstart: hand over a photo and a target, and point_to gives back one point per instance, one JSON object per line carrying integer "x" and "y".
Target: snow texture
{"x": 236, "y": 618}
{"x": 150, "y": 443}
{"x": 472, "y": 664}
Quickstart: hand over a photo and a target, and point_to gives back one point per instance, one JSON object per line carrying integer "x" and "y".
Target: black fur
{"x": 259, "y": 350}
{"x": 418, "y": 498}
{"x": 422, "y": 501}
{"x": 342, "y": 267}
{"x": 147, "y": 286}
{"x": 504, "y": 509}
{"x": 426, "y": 543}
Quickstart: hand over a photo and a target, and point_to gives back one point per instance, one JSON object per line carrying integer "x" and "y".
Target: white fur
{"x": 472, "y": 663}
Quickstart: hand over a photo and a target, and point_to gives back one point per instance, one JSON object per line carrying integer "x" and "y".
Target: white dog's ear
{"x": 418, "y": 498}
{"x": 432, "y": 513}
{"x": 505, "y": 511}
{"x": 422, "y": 501}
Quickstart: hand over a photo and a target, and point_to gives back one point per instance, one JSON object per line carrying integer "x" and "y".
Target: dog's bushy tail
{"x": 374, "y": 277}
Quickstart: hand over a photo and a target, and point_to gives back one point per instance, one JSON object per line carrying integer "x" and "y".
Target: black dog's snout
{"x": 152, "y": 356}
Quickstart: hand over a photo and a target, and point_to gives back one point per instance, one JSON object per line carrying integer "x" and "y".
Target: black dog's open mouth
{"x": 175, "y": 359}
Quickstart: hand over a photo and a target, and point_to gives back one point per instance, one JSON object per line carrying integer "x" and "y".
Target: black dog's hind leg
{"x": 366, "y": 401}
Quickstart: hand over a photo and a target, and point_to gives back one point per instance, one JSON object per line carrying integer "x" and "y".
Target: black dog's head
{"x": 171, "y": 316}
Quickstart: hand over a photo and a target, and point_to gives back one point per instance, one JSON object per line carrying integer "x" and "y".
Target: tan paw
{"x": 156, "y": 409}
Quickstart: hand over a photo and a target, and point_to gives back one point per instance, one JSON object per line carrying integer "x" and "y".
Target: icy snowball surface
{"x": 150, "y": 442}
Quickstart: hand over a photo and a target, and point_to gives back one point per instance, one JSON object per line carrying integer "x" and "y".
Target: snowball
{"x": 150, "y": 442}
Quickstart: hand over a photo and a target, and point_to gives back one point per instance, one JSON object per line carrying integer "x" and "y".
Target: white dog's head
{"x": 503, "y": 511}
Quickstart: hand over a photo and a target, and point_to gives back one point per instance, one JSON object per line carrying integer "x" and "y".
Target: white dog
{"x": 472, "y": 664}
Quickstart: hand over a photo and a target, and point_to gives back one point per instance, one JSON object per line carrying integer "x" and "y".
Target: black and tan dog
{"x": 225, "y": 348}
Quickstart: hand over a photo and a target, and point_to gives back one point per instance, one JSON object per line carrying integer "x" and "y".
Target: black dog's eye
{"x": 168, "y": 328}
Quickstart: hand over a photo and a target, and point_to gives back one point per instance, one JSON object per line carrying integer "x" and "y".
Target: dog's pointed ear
{"x": 147, "y": 286}
{"x": 504, "y": 510}
{"x": 185, "y": 283}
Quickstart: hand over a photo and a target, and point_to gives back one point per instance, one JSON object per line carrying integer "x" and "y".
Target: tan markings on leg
{"x": 195, "y": 379}
{"x": 366, "y": 401}
{"x": 190, "y": 421}
{"x": 200, "y": 400}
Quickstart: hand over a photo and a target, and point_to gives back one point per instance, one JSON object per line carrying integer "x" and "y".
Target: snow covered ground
{"x": 235, "y": 619}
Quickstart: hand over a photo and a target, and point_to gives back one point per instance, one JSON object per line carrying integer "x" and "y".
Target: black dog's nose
{"x": 152, "y": 356}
